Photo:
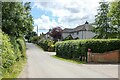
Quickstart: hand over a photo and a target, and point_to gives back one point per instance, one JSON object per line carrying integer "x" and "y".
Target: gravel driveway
{"x": 41, "y": 64}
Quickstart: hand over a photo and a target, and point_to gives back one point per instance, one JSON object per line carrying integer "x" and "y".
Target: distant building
{"x": 81, "y": 31}
{"x": 47, "y": 36}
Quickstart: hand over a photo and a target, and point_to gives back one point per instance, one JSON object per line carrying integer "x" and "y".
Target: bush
{"x": 43, "y": 44}
{"x": 46, "y": 44}
{"x": 22, "y": 47}
{"x": 16, "y": 49}
{"x": 8, "y": 55}
{"x": 34, "y": 39}
{"x": 12, "y": 52}
{"x": 74, "y": 49}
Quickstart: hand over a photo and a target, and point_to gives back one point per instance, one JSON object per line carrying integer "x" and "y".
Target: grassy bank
{"x": 69, "y": 60}
{"x": 15, "y": 69}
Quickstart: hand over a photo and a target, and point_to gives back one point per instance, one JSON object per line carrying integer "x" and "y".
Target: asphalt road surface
{"x": 41, "y": 64}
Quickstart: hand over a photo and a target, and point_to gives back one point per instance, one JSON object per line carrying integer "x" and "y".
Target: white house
{"x": 81, "y": 32}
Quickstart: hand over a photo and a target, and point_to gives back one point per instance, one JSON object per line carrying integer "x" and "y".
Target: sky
{"x": 48, "y": 14}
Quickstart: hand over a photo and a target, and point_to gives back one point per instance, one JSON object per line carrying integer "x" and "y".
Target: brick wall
{"x": 109, "y": 57}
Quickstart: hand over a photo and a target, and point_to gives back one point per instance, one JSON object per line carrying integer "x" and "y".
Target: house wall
{"x": 89, "y": 34}
{"x": 64, "y": 35}
{"x": 80, "y": 35}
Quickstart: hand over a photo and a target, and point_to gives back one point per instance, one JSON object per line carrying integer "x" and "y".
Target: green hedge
{"x": 73, "y": 49}
{"x": 43, "y": 44}
{"x": 46, "y": 44}
{"x": 22, "y": 47}
{"x": 34, "y": 39}
{"x": 12, "y": 52}
{"x": 8, "y": 55}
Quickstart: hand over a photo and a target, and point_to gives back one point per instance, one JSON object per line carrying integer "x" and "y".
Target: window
{"x": 77, "y": 32}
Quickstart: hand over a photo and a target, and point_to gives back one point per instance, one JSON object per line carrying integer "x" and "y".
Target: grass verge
{"x": 69, "y": 60}
{"x": 15, "y": 69}
{"x": 39, "y": 47}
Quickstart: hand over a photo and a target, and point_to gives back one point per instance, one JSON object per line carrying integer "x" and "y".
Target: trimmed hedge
{"x": 47, "y": 45}
{"x": 73, "y": 49}
{"x": 43, "y": 44}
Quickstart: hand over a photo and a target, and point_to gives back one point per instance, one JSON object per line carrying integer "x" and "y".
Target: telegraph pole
{"x": 37, "y": 29}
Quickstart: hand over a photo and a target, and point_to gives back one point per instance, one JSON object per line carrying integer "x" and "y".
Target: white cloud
{"x": 70, "y": 13}
{"x": 44, "y": 23}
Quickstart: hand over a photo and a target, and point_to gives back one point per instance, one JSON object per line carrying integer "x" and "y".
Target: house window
{"x": 77, "y": 33}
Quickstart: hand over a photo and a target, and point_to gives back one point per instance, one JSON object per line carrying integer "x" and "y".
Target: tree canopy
{"x": 56, "y": 33}
{"x": 16, "y": 18}
{"x": 108, "y": 20}
{"x": 102, "y": 21}
{"x": 115, "y": 17}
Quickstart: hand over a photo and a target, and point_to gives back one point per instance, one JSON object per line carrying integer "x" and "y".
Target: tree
{"x": 30, "y": 34}
{"x": 16, "y": 18}
{"x": 102, "y": 21}
{"x": 114, "y": 14}
{"x": 56, "y": 33}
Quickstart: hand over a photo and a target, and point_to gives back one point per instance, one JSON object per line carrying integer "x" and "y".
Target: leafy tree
{"x": 115, "y": 17}
{"x": 102, "y": 21}
{"x": 16, "y": 18}
{"x": 56, "y": 33}
{"x": 30, "y": 34}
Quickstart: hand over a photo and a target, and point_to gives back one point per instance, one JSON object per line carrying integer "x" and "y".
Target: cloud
{"x": 70, "y": 13}
{"x": 44, "y": 23}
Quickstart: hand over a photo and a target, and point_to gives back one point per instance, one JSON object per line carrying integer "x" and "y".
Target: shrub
{"x": 73, "y": 49}
{"x": 34, "y": 39}
{"x": 22, "y": 47}
{"x": 51, "y": 46}
{"x": 16, "y": 49}
{"x": 8, "y": 55}
{"x": 43, "y": 44}
{"x": 46, "y": 44}
{"x": 12, "y": 52}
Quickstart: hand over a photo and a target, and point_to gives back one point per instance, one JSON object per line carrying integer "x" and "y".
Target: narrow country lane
{"x": 41, "y": 64}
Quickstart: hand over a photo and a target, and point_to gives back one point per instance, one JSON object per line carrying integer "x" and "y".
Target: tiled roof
{"x": 67, "y": 30}
{"x": 83, "y": 27}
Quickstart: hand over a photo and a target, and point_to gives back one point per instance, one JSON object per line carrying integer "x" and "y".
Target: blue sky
{"x": 63, "y": 13}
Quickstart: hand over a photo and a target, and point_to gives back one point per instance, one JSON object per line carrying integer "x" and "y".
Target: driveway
{"x": 41, "y": 64}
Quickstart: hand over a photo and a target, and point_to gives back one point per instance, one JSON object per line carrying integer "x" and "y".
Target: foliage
{"x": 13, "y": 51}
{"x": 34, "y": 39}
{"x": 102, "y": 21}
{"x": 14, "y": 70}
{"x": 22, "y": 47}
{"x": 56, "y": 33}
{"x": 46, "y": 44}
{"x": 114, "y": 14}
{"x": 30, "y": 36}
{"x": 17, "y": 22}
{"x": 16, "y": 18}
{"x": 51, "y": 46}
{"x": 8, "y": 55}
{"x": 74, "y": 49}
